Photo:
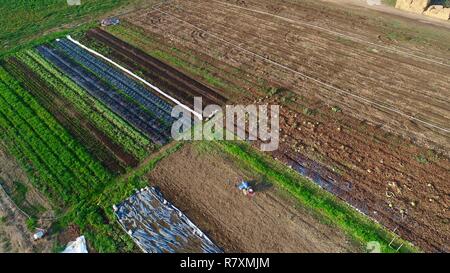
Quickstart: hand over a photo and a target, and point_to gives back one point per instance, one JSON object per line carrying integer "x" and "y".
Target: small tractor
{"x": 246, "y": 189}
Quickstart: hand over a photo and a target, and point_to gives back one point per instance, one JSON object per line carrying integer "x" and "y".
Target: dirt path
{"x": 202, "y": 185}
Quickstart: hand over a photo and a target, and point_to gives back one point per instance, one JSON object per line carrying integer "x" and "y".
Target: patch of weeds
{"x": 97, "y": 46}
{"x": 445, "y": 3}
{"x": 344, "y": 40}
{"x": 336, "y": 109}
{"x": 58, "y": 247}
{"x": 432, "y": 155}
{"x": 338, "y": 170}
{"x": 272, "y": 91}
{"x": 393, "y": 36}
{"x": 140, "y": 73}
{"x": 202, "y": 147}
{"x": 289, "y": 98}
{"x": 389, "y": 2}
{"x": 31, "y": 223}
{"x": 422, "y": 159}
{"x": 2, "y": 219}
{"x": 7, "y": 245}
{"x": 309, "y": 112}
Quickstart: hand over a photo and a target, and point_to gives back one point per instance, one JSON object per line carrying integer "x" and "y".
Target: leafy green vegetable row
{"x": 62, "y": 163}
{"x": 114, "y": 127}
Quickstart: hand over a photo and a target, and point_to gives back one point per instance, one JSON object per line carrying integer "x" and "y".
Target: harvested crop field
{"x": 367, "y": 104}
{"x": 202, "y": 185}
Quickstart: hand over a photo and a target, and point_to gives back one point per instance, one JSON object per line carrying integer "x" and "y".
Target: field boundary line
{"x": 358, "y": 97}
{"x": 338, "y": 34}
{"x": 12, "y": 202}
{"x": 199, "y": 116}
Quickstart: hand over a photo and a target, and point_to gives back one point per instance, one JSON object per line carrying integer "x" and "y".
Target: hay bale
{"x": 438, "y": 11}
{"x": 417, "y": 6}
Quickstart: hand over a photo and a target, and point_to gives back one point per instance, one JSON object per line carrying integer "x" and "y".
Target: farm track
{"x": 92, "y": 138}
{"x": 374, "y": 168}
{"x": 131, "y": 112}
{"x": 182, "y": 85}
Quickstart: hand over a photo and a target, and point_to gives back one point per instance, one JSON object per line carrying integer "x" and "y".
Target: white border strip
{"x": 199, "y": 116}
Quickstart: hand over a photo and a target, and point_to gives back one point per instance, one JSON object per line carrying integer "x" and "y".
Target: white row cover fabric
{"x": 77, "y": 246}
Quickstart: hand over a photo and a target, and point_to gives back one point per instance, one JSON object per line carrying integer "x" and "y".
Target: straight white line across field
{"x": 199, "y": 116}
{"x": 336, "y": 33}
{"x": 329, "y": 86}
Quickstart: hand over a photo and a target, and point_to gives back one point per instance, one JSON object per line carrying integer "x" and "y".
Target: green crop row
{"x": 114, "y": 127}
{"x": 67, "y": 169}
{"x": 31, "y": 110}
{"x": 119, "y": 130}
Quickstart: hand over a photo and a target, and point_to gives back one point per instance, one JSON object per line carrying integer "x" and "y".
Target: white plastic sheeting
{"x": 157, "y": 226}
{"x": 77, "y": 246}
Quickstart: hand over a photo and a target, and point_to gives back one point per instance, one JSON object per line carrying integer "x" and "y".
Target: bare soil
{"x": 202, "y": 185}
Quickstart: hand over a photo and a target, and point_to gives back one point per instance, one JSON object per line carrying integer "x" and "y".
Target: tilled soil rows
{"x": 394, "y": 181}
{"x": 317, "y": 65}
{"x": 177, "y": 83}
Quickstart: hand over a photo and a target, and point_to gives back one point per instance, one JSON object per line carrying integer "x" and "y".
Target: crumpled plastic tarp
{"x": 157, "y": 226}
{"x": 77, "y": 246}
